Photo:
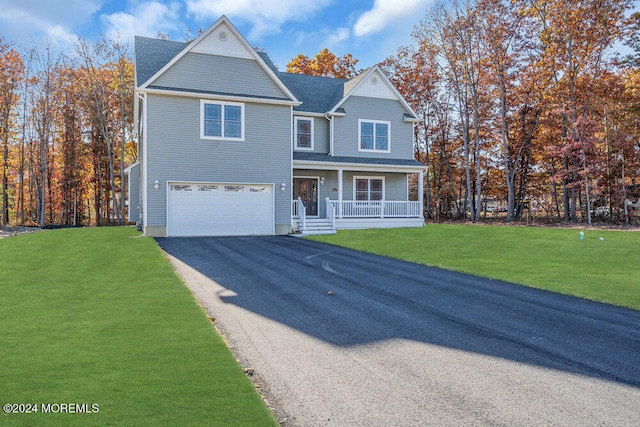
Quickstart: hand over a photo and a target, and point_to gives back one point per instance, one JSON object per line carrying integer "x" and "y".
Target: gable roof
{"x": 311, "y": 94}
{"x": 356, "y": 83}
{"x": 150, "y": 63}
{"x": 327, "y": 94}
{"x": 317, "y": 94}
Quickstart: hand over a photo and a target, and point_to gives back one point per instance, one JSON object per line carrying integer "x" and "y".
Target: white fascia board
{"x": 133, "y": 165}
{"x": 359, "y": 167}
{"x": 412, "y": 120}
{"x": 307, "y": 114}
{"x": 220, "y": 97}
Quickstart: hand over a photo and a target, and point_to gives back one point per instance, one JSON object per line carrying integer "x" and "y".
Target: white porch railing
{"x": 359, "y": 209}
{"x": 301, "y": 212}
{"x": 376, "y": 209}
{"x": 331, "y": 212}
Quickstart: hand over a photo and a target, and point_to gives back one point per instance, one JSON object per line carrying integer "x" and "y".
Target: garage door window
{"x": 181, "y": 187}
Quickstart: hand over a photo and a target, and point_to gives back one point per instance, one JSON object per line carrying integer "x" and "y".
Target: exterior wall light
{"x": 283, "y": 187}
{"x": 322, "y": 180}
{"x": 156, "y": 184}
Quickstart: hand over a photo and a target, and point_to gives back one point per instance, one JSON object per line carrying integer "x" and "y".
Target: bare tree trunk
{"x": 624, "y": 195}
{"x": 98, "y": 97}
{"x": 478, "y": 156}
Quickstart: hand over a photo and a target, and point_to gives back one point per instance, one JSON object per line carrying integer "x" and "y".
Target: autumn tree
{"x": 325, "y": 64}
{"x": 573, "y": 39}
{"x": 11, "y": 73}
{"x": 414, "y": 72}
{"x": 108, "y": 75}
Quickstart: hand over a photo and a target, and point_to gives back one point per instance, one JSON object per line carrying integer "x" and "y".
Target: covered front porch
{"x": 333, "y": 194}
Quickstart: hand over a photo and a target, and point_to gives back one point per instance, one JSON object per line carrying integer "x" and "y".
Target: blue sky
{"x": 371, "y": 30}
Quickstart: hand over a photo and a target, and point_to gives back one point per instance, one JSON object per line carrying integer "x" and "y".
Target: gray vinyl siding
{"x": 395, "y": 185}
{"x": 321, "y": 144}
{"x": 212, "y": 73}
{"x": 175, "y": 152}
{"x": 358, "y": 107}
{"x": 320, "y": 135}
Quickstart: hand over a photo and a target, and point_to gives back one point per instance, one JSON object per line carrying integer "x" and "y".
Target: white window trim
{"x": 295, "y": 133}
{"x": 369, "y": 178}
{"x": 204, "y": 102}
{"x": 360, "y": 121}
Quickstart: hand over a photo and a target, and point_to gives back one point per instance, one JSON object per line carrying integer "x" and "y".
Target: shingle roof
{"x": 317, "y": 94}
{"x": 153, "y": 54}
{"x": 320, "y": 157}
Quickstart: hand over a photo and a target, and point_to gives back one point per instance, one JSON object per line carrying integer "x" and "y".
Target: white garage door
{"x": 212, "y": 209}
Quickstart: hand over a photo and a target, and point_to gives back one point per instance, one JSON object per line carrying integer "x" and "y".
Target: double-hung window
{"x": 222, "y": 120}
{"x": 369, "y": 189}
{"x": 304, "y": 133}
{"x": 374, "y": 135}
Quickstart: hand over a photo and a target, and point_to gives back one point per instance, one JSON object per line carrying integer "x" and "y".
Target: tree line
{"x": 65, "y": 133}
{"x": 526, "y": 107}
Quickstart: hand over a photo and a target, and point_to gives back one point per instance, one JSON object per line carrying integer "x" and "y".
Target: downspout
{"x": 330, "y": 118}
{"x": 142, "y": 133}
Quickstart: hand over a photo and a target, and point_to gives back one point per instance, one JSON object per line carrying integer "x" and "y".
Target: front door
{"x": 307, "y": 190}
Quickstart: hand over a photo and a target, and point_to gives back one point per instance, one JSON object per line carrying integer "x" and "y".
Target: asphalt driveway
{"x": 339, "y": 337}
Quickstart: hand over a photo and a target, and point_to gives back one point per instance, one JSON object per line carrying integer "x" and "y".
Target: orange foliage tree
{"x": 325, "y": 64}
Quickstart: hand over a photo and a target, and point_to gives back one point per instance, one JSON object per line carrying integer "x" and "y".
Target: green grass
{"x": 92, "y": 316}
{"x": 547, "y": 258}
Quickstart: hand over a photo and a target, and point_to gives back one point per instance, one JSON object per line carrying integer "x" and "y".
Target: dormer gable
{"x": 372, "y": 83}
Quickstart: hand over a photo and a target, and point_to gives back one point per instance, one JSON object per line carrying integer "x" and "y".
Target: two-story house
{"x": 228, "y": 145}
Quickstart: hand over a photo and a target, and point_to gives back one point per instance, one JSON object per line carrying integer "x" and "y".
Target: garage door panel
{"x": 212, "y": 209}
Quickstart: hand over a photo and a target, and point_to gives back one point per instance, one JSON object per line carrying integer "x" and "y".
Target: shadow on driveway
{"x": 374, "y": 298}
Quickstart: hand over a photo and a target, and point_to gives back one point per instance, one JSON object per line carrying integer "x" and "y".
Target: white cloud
{"x": 29, "y": 20}
{"x": 266, "y": 17}
{"x": 341, "y": 34}
{"x": 389, "y": 12}
{"x": 145, "y": 19}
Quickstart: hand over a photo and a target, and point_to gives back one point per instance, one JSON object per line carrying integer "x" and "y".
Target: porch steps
{"x": 318, "y": 226}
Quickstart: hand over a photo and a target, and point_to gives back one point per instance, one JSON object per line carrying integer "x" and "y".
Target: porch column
{"x": 421, "y": 193}
{"x": 339, "y": 193}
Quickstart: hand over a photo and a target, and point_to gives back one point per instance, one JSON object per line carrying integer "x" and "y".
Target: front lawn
{"x": 606, "y": 270}
{"x": 98, "y": 316}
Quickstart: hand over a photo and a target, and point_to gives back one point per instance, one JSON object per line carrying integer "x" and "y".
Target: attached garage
{"x": 220, "y": 209}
